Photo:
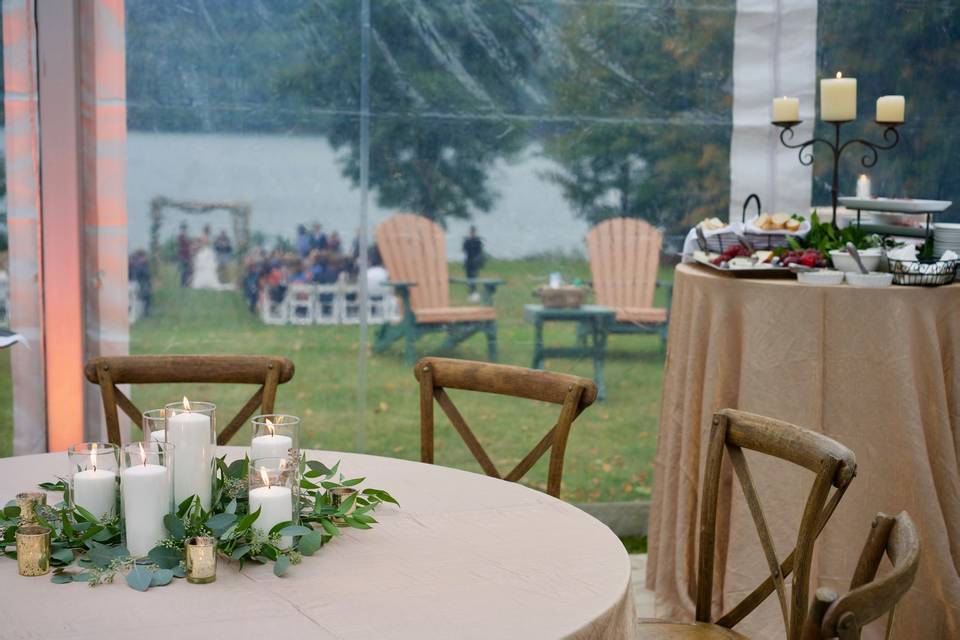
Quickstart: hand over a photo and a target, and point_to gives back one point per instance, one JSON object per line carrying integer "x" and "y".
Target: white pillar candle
{"x": 838, "y": 99}
{"x": 96, "y": 491}
{"x": 786, "y": 109}
{"x": 890, "y": 109}
{"x": 863, "y": 186}
{"x": 146, "y": 499}
{"x": 158, "y": 436}
{"x": 189, "y": 433}
{"x": 270, "y": 446}
{"x": 276, "y": 506}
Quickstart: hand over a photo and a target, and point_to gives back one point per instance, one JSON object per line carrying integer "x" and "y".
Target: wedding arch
{"x": 239, "y": 213}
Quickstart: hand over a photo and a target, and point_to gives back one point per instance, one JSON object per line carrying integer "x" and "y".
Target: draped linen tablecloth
{"x": 466, "y": 556}
{"x": 876, "y": 369}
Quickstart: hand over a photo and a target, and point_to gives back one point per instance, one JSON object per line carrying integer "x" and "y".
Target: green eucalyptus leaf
{"x": 91, "y": 532}
{"x": 329, "y": 527}
{"x": 319, "y": 468}
{"x": 356, "y": 524}
{"x": 247, "y": 520}
{"x": 352, "y": 482}
{"x": 179, "y": 572}
{"x": 165, "y": 557}
{"x": 306, "y": 484}
{"x": 103, "y": 535}
{"x": 175, "y": 526}
{"x": 270, "y": 552}
{"x": 280, "y": 525}
{"x": 61, "y": 578}
{"x": 281, "y": 565}
{"x": 240, "y": 551}
{"x": 62, "y": 555}
{"x": 231, "y": 507}
{"x": 139, "y": 578}
{"x": 238, "y": 469}
{"x": 83, "y": 576}
{"x": 161, "y": 577}
{"x": 295, "y": 530}
{"x": 86, "y": 515}
{"x": 100, "y": 555}
{"x": 310, "y": 543}
{"x": 220, "y": 522}
{"x": 381, "y": 495}
{"x": 362, "y": 517}
{"x": 347, "y": 504}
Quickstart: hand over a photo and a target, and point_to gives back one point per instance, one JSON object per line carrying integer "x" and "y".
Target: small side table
{"x": 598, "y": 321}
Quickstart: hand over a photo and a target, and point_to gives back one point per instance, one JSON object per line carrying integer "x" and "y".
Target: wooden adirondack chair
{"x": 624, "y": 256}
{"x": 413, "y": 249}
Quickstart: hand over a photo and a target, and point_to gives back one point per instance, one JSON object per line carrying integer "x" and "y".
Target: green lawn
{"x": 611, "y": 447}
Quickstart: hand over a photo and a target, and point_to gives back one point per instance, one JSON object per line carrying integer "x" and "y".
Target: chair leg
{"x": 491, "y": 331}
{"x": 583, "y": 330}
{"x": 410, "y": 345}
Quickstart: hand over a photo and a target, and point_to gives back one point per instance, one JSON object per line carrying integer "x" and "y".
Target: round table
{"x": 876, "y": 369}
{"x": 466, "y": 556}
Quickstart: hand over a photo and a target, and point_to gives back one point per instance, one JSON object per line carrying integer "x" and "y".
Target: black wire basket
{"x": 923, "y": 273}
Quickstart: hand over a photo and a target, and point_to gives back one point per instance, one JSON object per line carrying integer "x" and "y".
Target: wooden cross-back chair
{"x": 108, "y": 372}
{"x": 835, "y": 467}
{"x": 414, "y": 253}
{"x": 436, "y": 375}
{"x": 869, "y": 597}
{"x": 624, "y": 258}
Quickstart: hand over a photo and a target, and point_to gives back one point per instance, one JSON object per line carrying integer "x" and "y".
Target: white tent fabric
{"x": 775, "y": 54}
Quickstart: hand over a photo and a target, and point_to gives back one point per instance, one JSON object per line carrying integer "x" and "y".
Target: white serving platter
{"x": 897, "y": 205}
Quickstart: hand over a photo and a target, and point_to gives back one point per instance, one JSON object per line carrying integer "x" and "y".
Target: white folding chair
{"x": 272, "y": 312}
{"x": 301, "y": 302}
{"x": 327, "y": 307}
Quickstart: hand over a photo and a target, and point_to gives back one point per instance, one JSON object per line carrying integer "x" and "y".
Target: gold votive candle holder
{"x": 28, "y": 502}
{"x": 337, "y": 497}
{"x": 201, "y": 559}
{"x": 33, "y": 550}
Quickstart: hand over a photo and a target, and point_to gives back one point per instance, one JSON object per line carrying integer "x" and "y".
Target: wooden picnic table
{"x": 595, "y": 322}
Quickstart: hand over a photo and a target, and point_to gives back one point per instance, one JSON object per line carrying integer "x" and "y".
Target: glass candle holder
{"x": 154, "y": 425}
{"x": 191, "y": 427}
{"x": 275, "y": 435}
{"x": 28, "y": 501}
{"x": 201, "y": 559}
{"x": 339, "y": 495}
{"x": 93, "y": 478}
{"x": 146, "y": 491}
{"x": 33, "y": 550}
{"x": 271, "y": 489}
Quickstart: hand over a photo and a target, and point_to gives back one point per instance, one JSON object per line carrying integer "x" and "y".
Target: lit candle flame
{"x": 186, "y": 403}
{"x": 265, "y": 477}
{"x": 143, "y": 454}
{"x": 270, "y": 428}
{"x": 839, "y": 75}
{"x": 93, "y": 456}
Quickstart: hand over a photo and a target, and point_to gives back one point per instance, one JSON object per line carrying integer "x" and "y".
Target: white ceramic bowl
{"x": 821, "y": 277}
{"x": 843, "y": 261}
{"x": 872, "y": 280}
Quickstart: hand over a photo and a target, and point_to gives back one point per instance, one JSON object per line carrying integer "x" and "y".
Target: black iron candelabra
{"x": 890, "y": 139}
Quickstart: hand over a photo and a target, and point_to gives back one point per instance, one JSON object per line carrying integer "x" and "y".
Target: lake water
{"x": 289, "y": 180}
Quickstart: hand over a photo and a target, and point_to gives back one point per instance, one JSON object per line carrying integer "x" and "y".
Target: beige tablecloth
{"x": 878, "y": 370}
{"x": 465, "y": 557}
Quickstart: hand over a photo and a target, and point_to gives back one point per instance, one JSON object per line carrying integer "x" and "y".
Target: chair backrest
{"x": 437, "y": 374}
{"x": 624, "y": 257}
{"x": 266, "y": 371}
{"x": 834, "y": 466}
{"x": 414, "y": 249}
{"x": 869, "y": 597}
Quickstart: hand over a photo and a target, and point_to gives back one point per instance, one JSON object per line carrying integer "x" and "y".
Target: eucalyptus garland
{"x": 85, "y": 549}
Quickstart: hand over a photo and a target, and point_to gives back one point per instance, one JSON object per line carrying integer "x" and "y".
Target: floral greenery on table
{"x": 84, "y": 549}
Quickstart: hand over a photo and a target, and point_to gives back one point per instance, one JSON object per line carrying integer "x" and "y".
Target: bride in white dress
{"x": 205, "y": 267}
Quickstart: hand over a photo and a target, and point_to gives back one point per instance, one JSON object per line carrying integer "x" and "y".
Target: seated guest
{"x": 333, "y": 242}
{"x": 304, "y": 241}
{"x": 299, "y": 273}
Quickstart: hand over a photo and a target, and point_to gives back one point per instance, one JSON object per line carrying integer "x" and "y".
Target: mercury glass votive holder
{"x": 28, "y": 502}
{"x": 201, "y": 559}
{"x": 275, "y": 435}
{"x": 146, "y": 494}
{"x": 272, "y": 489}
{"x": 33, "y": 550}
{"x": 93, "y": 478}
{"x": 338, "y": 495}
